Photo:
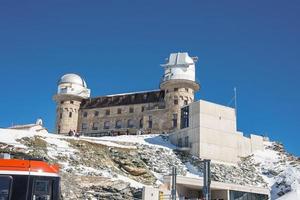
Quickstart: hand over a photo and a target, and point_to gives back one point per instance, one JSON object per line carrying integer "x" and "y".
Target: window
{"x": 42, "y": 189}
{"x": 96, "y": 113}
{"x": 70, "y": 114}
{"x": 187, "y": 89}
{"x": 186, "y": 141}
{"x": 131, "y": 110}
{"x": 71, "y": 102}
{"x": 179, "y": 142}
{"x": 246, "y": 195}
{"x": 84, "y": 126}
{"x": 175, "y": 89}
{"x": 185, "y": 102}
{"x": 5, "y": 187}
{"x": 60, "y": 115}
{"x": 150, "y": 123}
{"x": 95, "y": 126}
{"x": 175, "y": 101}
{"x": 119, "y": 111}
{"x": 106, "y": 125}
{"x": 175, "y": 120}
{"x": 184, "y": 118}
{"x": 61, "y": 102}
{"x": 130, "y": 123}
{"x": 85, "y": 114}
{"x": 141, "y": 123}
{"x": 119, "y": 124}
{"x": 107, "y": 112}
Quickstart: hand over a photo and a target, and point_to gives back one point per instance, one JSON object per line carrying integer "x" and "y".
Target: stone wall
{"x": 165, "y": 116}
{"x": 129, "y": 117}
{"x": 66, "y": 113}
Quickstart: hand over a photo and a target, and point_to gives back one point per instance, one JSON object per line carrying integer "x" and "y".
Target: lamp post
{"x": 206, "y": 180}
{"x": 173, "y": 191}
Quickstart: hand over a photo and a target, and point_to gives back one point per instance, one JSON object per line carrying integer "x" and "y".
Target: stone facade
{"x": 67, "y": 110}
{"x": 154, "y": 111}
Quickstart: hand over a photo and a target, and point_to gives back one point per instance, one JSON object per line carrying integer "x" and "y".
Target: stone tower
{"x": 179, "y": 84}
{"x": 72, "y": 89}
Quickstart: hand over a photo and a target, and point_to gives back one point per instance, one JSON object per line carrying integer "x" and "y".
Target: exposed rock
{"x": 91, "y": 170}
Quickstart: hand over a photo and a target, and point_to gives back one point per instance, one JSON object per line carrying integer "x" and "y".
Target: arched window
{"x": 175, "y": 100}
{"x": 174, "y": 120}
{"x": 118, "y": 124}
{"x": 106, "y": 125}
{"x": 130, "y": 123}
{"x": 185, "y": 102}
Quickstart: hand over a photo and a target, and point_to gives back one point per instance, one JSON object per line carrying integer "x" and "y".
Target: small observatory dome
{"x": 73, "y": 84}
{"x": 73, "y": 79}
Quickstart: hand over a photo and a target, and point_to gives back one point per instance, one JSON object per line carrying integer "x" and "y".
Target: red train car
{"x": 28, "y": 180}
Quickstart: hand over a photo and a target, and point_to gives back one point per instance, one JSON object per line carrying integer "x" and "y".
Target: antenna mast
{"x": 235, "y": 103}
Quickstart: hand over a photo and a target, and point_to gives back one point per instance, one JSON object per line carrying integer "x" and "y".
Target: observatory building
{"x": 203, "y": 128}
{"x": 153, "y": 111}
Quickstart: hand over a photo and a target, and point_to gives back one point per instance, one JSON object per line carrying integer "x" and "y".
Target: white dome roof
{"x": 72, "y": 78}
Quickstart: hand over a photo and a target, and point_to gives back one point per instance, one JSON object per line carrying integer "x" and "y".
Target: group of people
{"x": 73, "y": 133}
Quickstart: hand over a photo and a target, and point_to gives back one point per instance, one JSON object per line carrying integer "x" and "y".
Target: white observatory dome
{"x": 73, "y": 84}
{"x": 180, "y": 66}
{"x": 73, "y": 79}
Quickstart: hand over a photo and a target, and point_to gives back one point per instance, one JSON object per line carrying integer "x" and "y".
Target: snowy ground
{"x": 281, "y": 175}
{"x": 280, "y": 171}
{"x": 59, "y": 147}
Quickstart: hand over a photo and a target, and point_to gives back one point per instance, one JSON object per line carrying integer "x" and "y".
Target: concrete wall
{"x": 150, "y": 193}
{"x": 213, "y": 134}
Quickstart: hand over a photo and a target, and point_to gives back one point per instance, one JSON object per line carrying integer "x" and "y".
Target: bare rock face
{"x": 90, "y": 170}
{"x": 244, "y": 173}
{"x": 135, "y": 171}
{"x": 91, "y": 187}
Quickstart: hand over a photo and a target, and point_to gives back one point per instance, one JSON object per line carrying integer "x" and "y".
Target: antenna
{"x": 235, "y": 103}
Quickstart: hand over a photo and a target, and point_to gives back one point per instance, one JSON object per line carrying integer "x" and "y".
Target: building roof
{"x": 124, "y": 99}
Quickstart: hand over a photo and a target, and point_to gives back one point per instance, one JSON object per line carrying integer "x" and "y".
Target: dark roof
{"x": 124, "y": 99}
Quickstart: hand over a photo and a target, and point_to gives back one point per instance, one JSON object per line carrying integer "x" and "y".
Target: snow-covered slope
{"x": 280, "y": 170}
{"x": 118, "y": 167}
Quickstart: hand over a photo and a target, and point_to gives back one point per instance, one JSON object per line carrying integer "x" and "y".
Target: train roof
{"x": 28, "y": 167}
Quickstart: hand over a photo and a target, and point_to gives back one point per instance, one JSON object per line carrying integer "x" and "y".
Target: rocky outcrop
{"x": 96, "y": 187}
{"x": 279, "y": 168}
{"x": 94, "y": 169}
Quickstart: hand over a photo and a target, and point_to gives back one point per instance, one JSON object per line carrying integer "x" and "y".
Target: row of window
{"x": 71, "y": 102}
{"x": 185, "y": 102}
{"x": 70, "y": 115}
{"x": 130, "y": 124}
{"x": 118, "y": 124}
{"x": 119, "y": 111}
{"x": 176, "y": 90}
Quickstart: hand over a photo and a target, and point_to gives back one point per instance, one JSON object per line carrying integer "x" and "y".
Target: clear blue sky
{"x": 117, "y": 46}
